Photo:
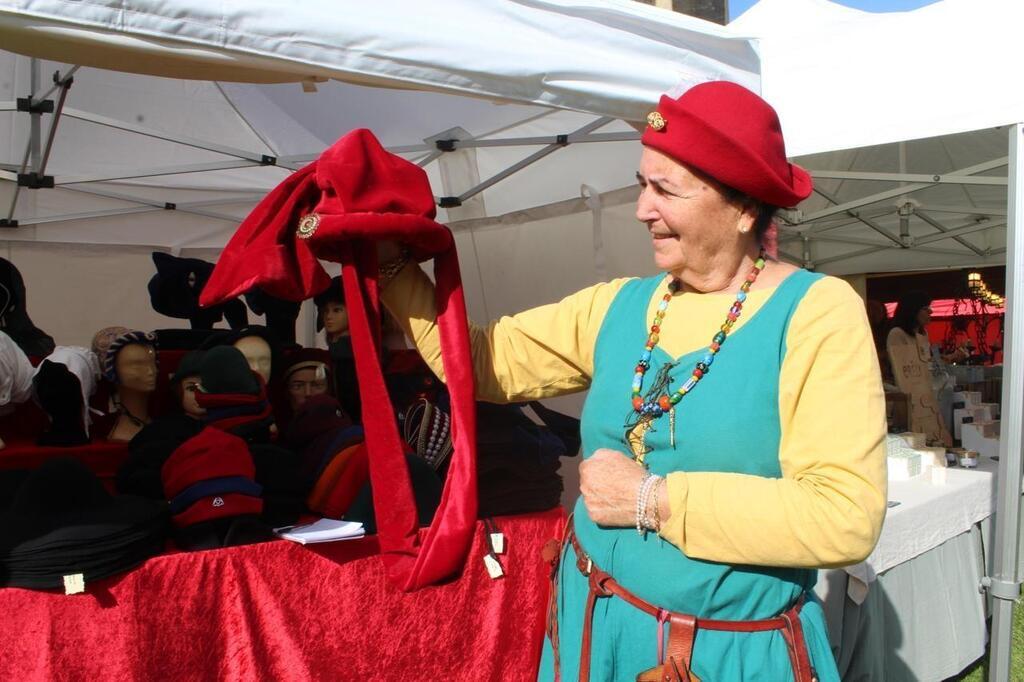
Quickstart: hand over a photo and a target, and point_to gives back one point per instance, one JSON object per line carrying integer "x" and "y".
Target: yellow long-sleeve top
{"x": 827, "y": 508}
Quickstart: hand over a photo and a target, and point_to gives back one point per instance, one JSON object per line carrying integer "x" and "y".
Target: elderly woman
{"x": 734, "y": 426}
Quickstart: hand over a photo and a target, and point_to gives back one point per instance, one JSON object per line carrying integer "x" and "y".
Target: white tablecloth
{"x": 927, "y": 516}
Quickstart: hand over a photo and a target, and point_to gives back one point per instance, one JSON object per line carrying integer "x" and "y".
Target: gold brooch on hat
{"x": 307, "y": 226}
{"x": 656, "y": 120}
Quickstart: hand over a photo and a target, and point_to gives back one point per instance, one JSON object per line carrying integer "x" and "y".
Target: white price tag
{"x": 494, "y": 568}
{"x": 498, "y": 542}
{"x": 74, "y": 584}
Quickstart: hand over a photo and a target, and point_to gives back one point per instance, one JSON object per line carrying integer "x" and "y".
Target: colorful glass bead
{"x": 665, "y": 403}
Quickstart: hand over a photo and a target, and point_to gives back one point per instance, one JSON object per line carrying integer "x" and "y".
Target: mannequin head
{"x": 331, "y": 315}
{"x": 187, "y": 390}
{"x": 257, "y": 353}
{"x": 135, "y": 366}
{"x": 128, "y": 359}
{"x": 335, "y": 318}
{"x": 185, "y": 383}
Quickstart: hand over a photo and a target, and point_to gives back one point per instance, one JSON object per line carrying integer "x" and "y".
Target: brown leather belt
{"x": 675, "y": 665}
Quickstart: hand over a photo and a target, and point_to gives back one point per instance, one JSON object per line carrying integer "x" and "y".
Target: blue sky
{"x": 738, "y": 7}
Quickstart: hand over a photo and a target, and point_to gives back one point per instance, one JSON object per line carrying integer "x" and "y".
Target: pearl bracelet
{"x": 643, "y": 492}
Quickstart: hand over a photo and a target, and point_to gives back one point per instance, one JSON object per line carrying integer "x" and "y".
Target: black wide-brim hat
{"x": 280, "y": 314}
{"x": 62, "y": 521}
{"x": 175, "y": 289}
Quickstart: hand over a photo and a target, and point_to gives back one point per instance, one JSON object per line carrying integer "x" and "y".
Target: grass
{"x": 978, "y": 672}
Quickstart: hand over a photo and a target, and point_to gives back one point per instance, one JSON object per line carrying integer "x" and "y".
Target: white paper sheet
{"x": 324, "y": 530}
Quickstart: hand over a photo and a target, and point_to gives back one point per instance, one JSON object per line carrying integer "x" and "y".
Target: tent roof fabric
{"x": 503, "y": 78}
{"x": 607, "y": 57}
{"x": 890, "y": 112}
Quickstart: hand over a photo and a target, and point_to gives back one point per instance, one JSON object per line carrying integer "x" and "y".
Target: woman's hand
{"x": 609, "y": 481}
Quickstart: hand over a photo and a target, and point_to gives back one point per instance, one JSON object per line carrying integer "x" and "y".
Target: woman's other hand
{"x": 609, "y": 481}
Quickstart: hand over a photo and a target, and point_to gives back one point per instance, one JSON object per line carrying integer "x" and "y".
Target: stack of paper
{"x": 324, "y": 530}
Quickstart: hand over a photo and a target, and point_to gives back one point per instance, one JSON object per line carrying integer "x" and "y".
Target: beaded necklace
{"x": 657, "y": 402}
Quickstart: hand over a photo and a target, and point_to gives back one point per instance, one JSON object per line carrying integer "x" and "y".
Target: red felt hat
{"x": 356, "y": 189}
{"x": 334, "y": 209}
{"x": 210, "y": 476}
{"x": 729, "y": 133}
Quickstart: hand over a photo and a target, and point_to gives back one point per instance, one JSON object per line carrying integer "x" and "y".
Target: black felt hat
{"x": 234, "y": 396}
{"x": 230, "y": 337}
{"x": 190, "y": 366}
{"x": 59, "y": 393}
{"x": 62, "y": 521}
{"x": 175, "y": 289}
{"x": 224, "y": 370}
{"x": 280, "y": 314}
{"x": 14, "y": 319}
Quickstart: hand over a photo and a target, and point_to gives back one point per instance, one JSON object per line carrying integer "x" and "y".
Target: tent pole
{"x": 65, "y": 85}
{"x": 36, "y": 117}
{"x": 867, "y": 221}
{"x": 33, "y": 148}
{"x": 900, "y": 191}
{"x": 1004, "y": 585}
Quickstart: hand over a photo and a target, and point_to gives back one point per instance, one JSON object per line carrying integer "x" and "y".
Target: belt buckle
{"x": 590, "y": 566}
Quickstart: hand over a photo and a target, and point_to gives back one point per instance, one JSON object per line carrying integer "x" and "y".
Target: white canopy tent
{"x": 916, "y": 144}
{"x": 526, "y": 95}
{"x": 899, "y": 128}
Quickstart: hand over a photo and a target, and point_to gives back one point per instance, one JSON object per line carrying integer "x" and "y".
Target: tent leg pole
{"x": 1004, "y": 585}
{"x": 35, "y": 131}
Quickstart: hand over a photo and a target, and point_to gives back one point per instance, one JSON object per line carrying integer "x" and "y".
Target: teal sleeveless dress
{"x": 729, "y": 423}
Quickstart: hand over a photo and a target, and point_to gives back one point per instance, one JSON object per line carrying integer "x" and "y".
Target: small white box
{"x": 982, "y": 437}
{"x": 904, "y": 467}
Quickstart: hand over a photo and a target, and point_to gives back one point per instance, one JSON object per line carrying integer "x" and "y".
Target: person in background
{"x": 910, "y": 356}
{"x": 307, "y": 373}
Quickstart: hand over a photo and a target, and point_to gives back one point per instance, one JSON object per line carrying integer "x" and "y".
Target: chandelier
{"x": 981, "y": 292}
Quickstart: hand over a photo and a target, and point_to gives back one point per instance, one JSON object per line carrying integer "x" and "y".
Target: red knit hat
{"x": 729, "y": 133}
{"x": 210, "y": 476}
{"x": 357, "y": 193}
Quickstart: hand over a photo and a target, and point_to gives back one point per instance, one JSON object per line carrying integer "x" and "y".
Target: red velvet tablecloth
{"x": 282, "y": 611}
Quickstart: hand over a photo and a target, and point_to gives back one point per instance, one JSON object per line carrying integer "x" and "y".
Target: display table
{"x": 913, "y": 610}
{"x": 282, "y": 611}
